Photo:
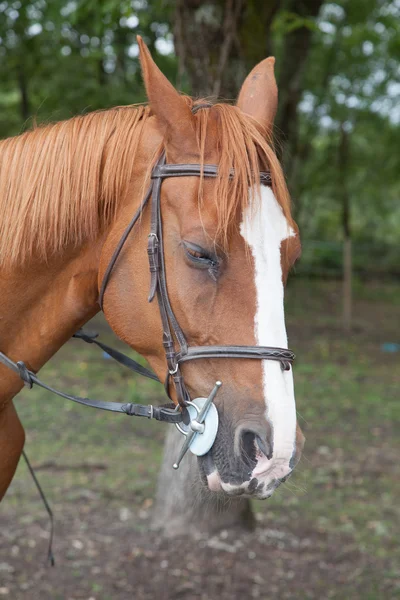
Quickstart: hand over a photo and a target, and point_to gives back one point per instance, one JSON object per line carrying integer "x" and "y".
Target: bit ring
{"x": 177, "y": 425}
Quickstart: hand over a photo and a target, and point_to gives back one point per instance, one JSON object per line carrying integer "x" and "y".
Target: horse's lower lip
{"x": 207, "y": 463}
{"x": 210, "y": 473}
{"x": 214, "y": 482}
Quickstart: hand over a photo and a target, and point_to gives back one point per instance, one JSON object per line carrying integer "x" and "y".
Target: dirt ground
{"x": 330, "y": 532}
{"x": 105, "y": 553}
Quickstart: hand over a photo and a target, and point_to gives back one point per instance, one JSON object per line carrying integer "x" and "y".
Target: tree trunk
{"x": 347, "y": 284}
{"x": 343, "y": 162}
{"x": 23, "y": 90}
{"x": 234, "y": 34}
{"x": 206, "y": 41}
{"x": 292, "y": 70}
{"x": 183, "y": 506}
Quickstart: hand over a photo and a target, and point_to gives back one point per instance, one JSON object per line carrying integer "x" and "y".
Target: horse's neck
{"x": 42, "y": 307}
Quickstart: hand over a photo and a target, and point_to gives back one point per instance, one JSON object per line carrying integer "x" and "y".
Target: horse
{"x": 68, "y": 191}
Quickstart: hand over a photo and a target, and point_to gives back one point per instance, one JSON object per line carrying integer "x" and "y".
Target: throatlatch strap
{"x": 121, "y": 243}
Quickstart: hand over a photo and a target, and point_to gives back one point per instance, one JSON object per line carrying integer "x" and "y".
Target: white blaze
{"x": 264, "y": 227}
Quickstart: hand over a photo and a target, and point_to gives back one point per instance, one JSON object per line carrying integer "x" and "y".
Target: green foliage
{"x": 352, "y": 82}
{"x": 287, "y": 21}
{"x": 69, "y": 57}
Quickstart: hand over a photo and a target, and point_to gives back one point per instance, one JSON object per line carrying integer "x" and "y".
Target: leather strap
{"x": 119, "y": 247}
{"x": 158, "y": 286}
{"x": 133, "y": 365}
{"x": 167, "y": 414}
{"x": 283, "y": 355}
{"x": 258, "y": 352}
{"x": 162, "y": 171}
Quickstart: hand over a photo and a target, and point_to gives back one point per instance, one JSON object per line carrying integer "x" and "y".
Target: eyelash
{"x": 200, "y": 256}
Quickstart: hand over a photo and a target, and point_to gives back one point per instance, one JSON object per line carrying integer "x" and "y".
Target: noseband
{"x": 158, "y": 287}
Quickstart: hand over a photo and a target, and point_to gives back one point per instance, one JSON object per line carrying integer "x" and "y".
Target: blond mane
{"x": 60, "y": 184}
{"x": 242, "y": 146}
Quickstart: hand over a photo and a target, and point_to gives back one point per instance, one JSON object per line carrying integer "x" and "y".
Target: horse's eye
{"x": 196, "y": 253}
{"x": 200, "y": 257}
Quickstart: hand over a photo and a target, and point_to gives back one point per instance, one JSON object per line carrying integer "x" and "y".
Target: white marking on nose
{"x": 264, "y": 227}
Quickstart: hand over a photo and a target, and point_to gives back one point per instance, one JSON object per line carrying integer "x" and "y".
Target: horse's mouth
{"x": 253, "y": 487}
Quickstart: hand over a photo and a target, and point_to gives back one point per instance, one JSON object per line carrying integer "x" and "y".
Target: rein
{"x": 167, "y": 414}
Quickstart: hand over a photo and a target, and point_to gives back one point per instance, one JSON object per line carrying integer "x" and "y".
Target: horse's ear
{"x": 259, "y": 94}
{"x": 170, "y": 108}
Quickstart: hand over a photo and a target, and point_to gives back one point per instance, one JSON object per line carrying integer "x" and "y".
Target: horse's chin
{"x": 212, "y": 480}
{"x": 259, "y": 487}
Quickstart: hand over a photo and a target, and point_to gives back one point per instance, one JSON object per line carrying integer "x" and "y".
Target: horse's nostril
{"x": 252, "y": 445}
{"x": 248, "y": 448}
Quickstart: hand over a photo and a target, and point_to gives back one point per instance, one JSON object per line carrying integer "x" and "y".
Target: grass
{"x": 348, "y": 403}
{"x": 347, "y": 485}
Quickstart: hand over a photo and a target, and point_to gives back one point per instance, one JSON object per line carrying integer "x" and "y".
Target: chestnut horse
{"x": 67, "y": 192}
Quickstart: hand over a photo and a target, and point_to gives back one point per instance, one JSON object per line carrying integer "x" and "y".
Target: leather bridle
{"x": 172, "y": 332}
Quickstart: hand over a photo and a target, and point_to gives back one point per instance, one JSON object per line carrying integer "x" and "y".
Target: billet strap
{"x": 168, "y": 414}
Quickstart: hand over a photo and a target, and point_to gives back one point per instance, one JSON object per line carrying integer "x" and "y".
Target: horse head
{"x": 228, "y": 244}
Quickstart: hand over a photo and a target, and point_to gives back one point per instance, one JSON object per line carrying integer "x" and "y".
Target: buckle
{"x": 153, "y": 235}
